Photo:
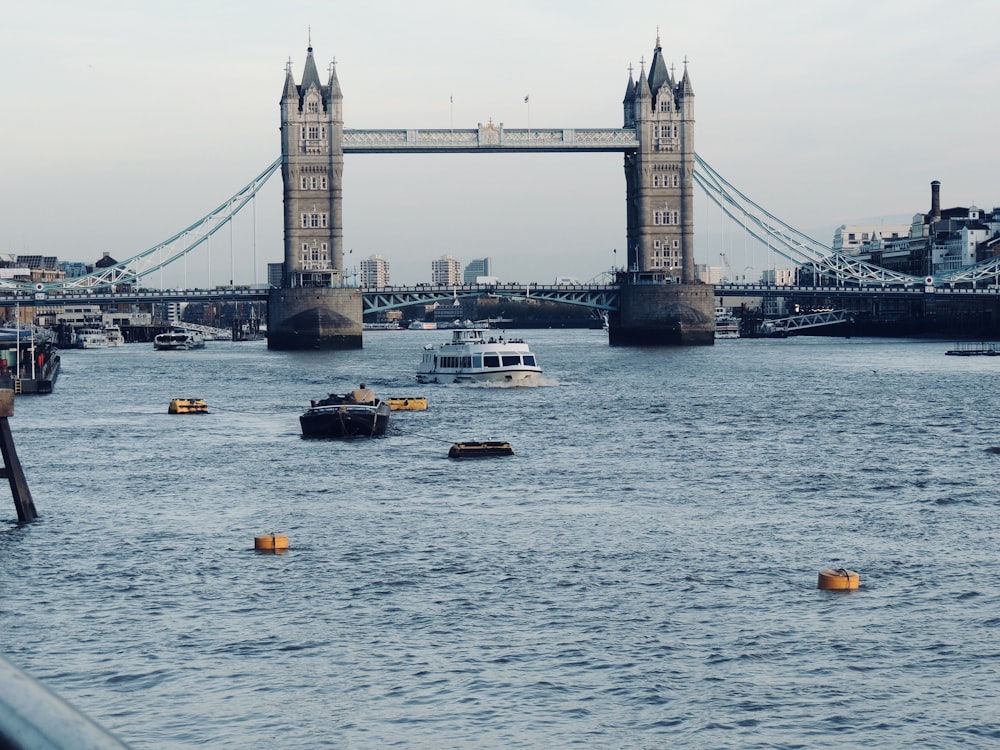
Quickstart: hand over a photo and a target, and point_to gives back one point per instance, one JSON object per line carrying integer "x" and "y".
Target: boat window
{"x": 511, "y": 360}
{"x": 477, "y": 361}
{"x": 491, "y": 360}
{"x": 529, "y": 360}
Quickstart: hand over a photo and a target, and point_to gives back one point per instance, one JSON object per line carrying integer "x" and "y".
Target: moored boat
{"x": 113, "y": 335}
{"x": 726, "y": 325}
{"x": 472, "y": 357}
{"x": 356, "y": 414}
{"x": 175, "y": 340}
{"x": 90, "y": 337}
{"x": 29, "y": 360}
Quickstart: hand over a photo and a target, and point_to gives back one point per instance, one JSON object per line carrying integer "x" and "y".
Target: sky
{"x": 125, "y": 122}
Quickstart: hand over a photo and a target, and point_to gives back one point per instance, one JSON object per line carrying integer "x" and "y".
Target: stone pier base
{"x": 314, "y": 318}
{"x": 664, "y": 315}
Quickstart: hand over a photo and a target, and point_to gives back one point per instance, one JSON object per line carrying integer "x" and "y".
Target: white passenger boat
{"x": 726, "y": 325}
{"x": 114, "y": 336}
{"x": 90, "y": 338}
{"x": 472, "y": 357}
{"x": 178, "y": 340}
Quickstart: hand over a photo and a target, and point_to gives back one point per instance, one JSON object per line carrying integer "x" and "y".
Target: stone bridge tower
{"x": 313, "y": 309}
{"x": 662, "y": 301}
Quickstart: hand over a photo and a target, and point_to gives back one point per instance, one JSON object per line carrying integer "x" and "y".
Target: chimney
{"x": 935, "y": 200}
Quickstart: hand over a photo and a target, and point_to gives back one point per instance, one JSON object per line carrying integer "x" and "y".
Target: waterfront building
{"x": 778, "y": 276}
{"x": 853, "y": 239}
{"x": 480, "y": 267}
{"x": 445, "y": 271}
{"x": 708, "y": 274}
{"x": 374, "y": 271}
{"x": 44, "y": 269}
{"x": 936, "y": 242}
{"x": 275, "y": 274}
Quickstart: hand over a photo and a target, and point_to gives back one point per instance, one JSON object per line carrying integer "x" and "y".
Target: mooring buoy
{"x": 271, "y": 543}
{"x": 840, "y": 579}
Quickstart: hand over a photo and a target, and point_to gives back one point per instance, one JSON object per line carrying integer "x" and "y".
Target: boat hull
{"x": 520, "y": 377}
{"x": 345, "y": 421}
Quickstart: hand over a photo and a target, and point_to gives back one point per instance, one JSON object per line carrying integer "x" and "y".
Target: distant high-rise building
{"x": 445, "y": 271}
{"x": 374, "y": 271}
{"x": 275, "y": 274}
{"x": 476, "y": 268}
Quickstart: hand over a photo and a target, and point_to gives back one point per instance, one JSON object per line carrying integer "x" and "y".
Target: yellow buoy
{"x": 407, "y": 403}
{"x": 839, "y": 579}
{"x": 187, "y": 406}
{"x": 270, "y": 543}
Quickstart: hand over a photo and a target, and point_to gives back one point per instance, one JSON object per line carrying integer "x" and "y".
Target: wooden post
{"x": 11, "y": 465}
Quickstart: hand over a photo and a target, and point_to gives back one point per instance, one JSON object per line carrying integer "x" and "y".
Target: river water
{"x": 640, "y": 574}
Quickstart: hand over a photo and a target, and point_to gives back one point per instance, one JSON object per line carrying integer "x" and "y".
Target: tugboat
{"x": 355, "y": 414}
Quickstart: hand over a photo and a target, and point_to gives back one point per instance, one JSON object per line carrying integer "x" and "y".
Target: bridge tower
{"x": 313, "y": 309}
{"x": 662, "y": 301}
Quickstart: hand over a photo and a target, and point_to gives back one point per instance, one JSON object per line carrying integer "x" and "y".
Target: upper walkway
{"x": 489, "y": 137}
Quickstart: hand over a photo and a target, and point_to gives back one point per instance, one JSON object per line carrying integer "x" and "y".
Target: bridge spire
{"x": 659, "y": 76}
{"x": 310, "y": 76}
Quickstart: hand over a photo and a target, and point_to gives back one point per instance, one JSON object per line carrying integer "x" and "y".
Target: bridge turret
{"x": 685, "y": 95}
{"x": 628, "y": 103}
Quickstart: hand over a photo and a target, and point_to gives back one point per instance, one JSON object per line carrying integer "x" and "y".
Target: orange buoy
{"x": 270, "y": 543}
{"x": 840, "y": 579}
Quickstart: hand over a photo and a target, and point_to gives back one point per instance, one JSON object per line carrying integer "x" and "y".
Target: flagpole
{"x": 528, "y": 103}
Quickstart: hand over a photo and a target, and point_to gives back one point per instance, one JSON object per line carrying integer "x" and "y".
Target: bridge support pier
{"x": 314, "y": 318}
{"x": 663, "y": 314}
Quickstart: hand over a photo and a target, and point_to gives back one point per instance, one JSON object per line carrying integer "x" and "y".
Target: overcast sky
{"x": 124, "y": 122}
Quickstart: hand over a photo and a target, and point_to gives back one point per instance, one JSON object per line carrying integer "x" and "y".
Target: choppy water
{"x": 642, "y": 573}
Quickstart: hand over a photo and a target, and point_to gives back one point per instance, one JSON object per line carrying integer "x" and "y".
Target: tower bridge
{"x": 655, "y": 299}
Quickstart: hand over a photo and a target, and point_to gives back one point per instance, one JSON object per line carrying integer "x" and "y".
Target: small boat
{"x": 408, "y": 403}
{"x": 187, "y": 406}
{"x": 114, "y": 336}
{"x": 471, "y": 357}
{"x": 475, "y": 449}
{"x": 381, "y": 327}
{"x": 355, "y": 414}
{"x": 90, "y": 337}
{"x": 178, "y": 340}
{"x": 726, "y": 325}
{"x": 419, "y": 325}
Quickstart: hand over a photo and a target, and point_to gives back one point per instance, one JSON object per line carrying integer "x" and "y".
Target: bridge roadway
{"x": 594, "y": 296}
